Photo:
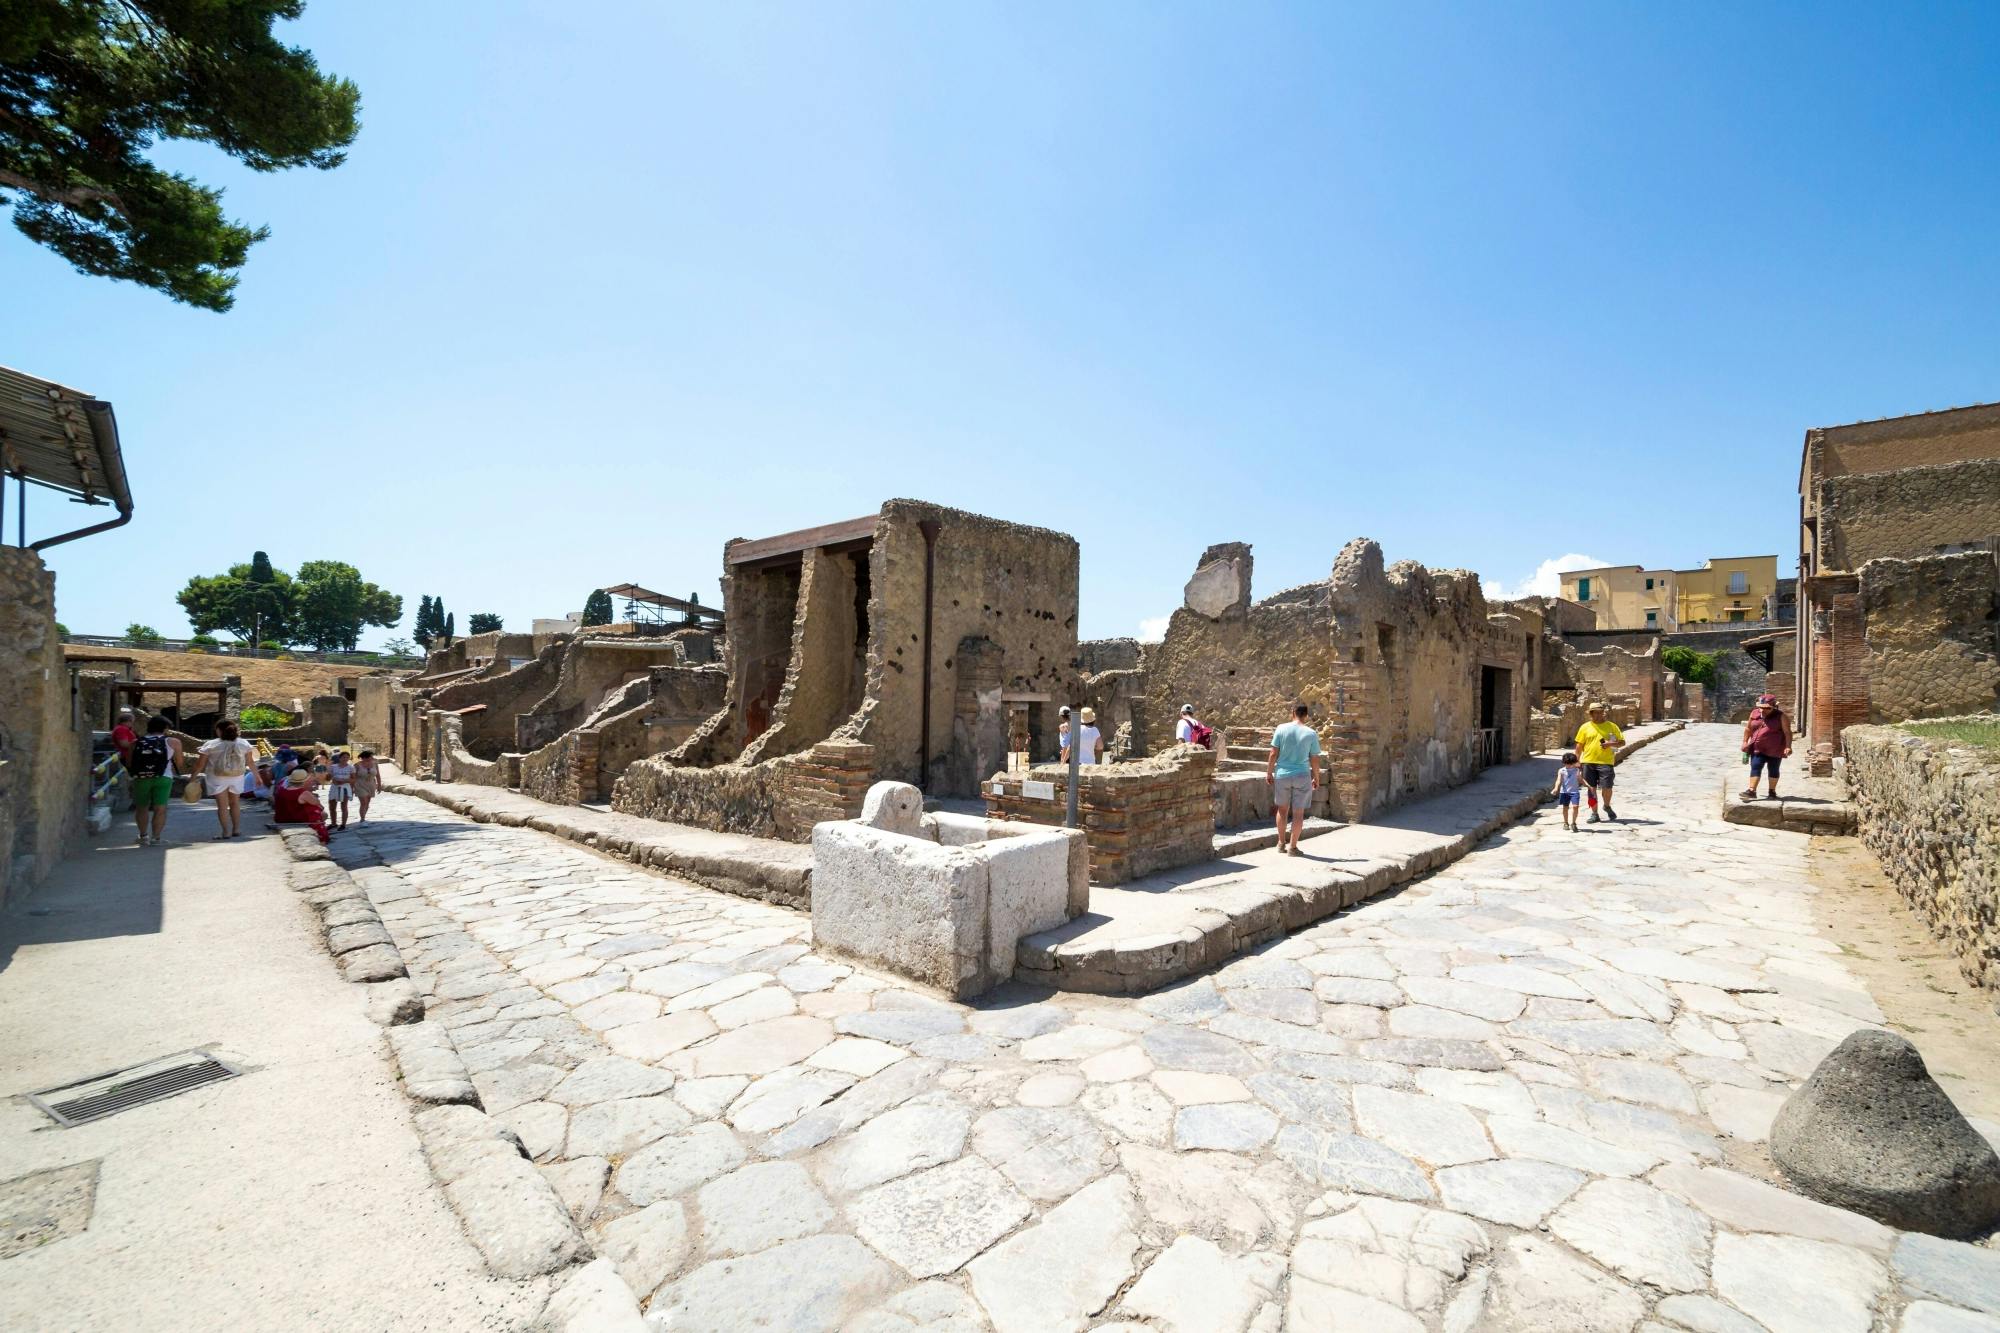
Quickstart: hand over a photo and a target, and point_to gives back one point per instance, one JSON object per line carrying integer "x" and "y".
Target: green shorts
{"x": 153, "y": 791}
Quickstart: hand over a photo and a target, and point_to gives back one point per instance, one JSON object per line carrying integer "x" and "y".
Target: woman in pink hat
{"x": 1767, "y": 739}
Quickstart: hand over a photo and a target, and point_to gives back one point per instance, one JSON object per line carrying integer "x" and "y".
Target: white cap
{"x": 1187, "y": 708}
{"x": 1065, "y": 710}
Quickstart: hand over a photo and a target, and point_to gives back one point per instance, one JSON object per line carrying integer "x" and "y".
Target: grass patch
{"x": 1981, "y": 732}
{"x": 257, "y": 717}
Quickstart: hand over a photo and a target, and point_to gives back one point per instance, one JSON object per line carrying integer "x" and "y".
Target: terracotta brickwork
{"x": 1138, "y": 818}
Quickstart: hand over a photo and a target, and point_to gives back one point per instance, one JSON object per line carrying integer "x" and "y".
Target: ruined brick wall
{"x": 1138, "y": 817}
{"x": 1095, "y": 655}
{"x": 505, "y": 692}
{"x": 1839, "y": 664}
{"x": 1244, "y": 668}
{"x": 44, "y": 759}
{"x": 1930, "y": 635}
{"x": 817, "y": 690}
{"x": 779, "y": 798}
{"x": 461, "y": 765}
{"x": 645, "y": 718}
{"x": 1006, "y": 584}
{"x": 592, "y": 669}
{"x": 1409, "y": 644}
{"x": 1930, "y": 811}
{"x": 1907, "y": 513}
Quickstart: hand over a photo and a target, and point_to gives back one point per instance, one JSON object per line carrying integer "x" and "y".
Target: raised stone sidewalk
{"x": 1806, "y": 805}
{"x": 1142, "y": 935}
{"x": 761, "y": 868}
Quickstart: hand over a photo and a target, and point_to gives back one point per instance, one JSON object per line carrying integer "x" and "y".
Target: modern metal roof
{"x": 633, "y": 592}
{"x": 64, "y": 440}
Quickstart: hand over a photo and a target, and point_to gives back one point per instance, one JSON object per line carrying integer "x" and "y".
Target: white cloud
{"x": 1153, "y": 629}
{"x": 1546, "y": 581}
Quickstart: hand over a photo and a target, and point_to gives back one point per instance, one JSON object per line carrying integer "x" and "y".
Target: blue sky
{"x": 603, "y": 286}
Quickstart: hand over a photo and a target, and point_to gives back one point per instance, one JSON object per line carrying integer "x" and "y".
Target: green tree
{"x": 1695, "y": 667}
{"x": 483, "y": 622}
{"x": 597, "y": 608}
{"x": 252, "y": 601}
{"x": 425, "y": 628}
{"x": 137, "y": 633}
{"x": 450, "y": 628}
{"x": 333, "y": 603}
{"x": 399, "y": 648}
{"x": 87, "y": 87}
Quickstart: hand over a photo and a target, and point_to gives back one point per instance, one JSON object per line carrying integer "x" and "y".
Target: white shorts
{"x": 339, "y": 791}
{"x": 214, "y": 783}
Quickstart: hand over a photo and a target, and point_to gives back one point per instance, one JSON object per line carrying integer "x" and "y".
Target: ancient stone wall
{"x": 44, "y": 748}
{"x": 1006, "y": 584}
{"x": 1245, "y": 668}
{"x": 1930, "y": 632}
{"x": 1907, "y": 513}
{"x": 778, "y": 798}
{"x": 1930, "y": 811}
{"x": 592, "y": 669}
{"x": 325, "y": 721}
{"x": 461, "y": 765}
{"x": 1095, "y": 655}
{"x": 1138, "y": 817}
{"x": 502, "y": 694}
{"x": 643, "y": 719}
{"x": 817, "y": 690}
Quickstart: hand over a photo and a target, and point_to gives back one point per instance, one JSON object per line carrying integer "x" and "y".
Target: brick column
{"x": 1350, "y": 735}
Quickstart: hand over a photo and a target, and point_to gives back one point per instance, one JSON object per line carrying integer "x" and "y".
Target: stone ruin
{"x": 903, "y": 646}
{"x": 1415, "y": 682}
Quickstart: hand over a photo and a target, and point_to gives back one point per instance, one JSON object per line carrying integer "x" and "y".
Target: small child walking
{"x": 339, "y": 789}
{"x": 1569, "y": 780}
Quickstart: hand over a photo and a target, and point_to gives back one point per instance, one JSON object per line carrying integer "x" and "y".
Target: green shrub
{"x": 137, "y": 633}
{"x": 204, "y": 642}
{"x": 269, "y": 646}
{"x": 261, "y": 717}
{"x": 1694, "y": 667}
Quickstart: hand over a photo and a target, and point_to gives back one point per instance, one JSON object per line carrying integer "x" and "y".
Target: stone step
{"x": 1817, "y": 809}
{"x": 1256, "y": 837}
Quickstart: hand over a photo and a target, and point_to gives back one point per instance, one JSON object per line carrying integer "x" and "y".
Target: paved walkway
{"x": 294, "y": 1197}
{"x": 1528, "y": 1092}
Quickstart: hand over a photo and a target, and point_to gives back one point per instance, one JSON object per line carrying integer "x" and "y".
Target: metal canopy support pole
{"x": 21, "y": 508}
{"x": 1075, "y": 759}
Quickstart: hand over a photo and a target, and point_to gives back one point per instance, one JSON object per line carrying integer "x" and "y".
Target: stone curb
{"x": 510, "y": 1212}
{"x": 508, "y": 1209}
{"x": 1256, "y": 916}
{"x": 726, "y": 870}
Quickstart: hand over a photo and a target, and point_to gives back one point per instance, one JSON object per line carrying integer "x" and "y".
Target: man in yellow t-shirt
{"x": 1597, "y": 744}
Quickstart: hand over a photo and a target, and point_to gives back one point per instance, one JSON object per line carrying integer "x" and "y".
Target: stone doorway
{"x": 1496, "y": 693}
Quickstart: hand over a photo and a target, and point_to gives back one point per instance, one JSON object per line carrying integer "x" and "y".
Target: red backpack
{"x": 1201, "y": 735}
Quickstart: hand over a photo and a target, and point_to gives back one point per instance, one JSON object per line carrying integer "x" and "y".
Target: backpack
{"x": 1202, "y": 735}
{"x": 226, "y": 760}
{"x": 150, "y": 757}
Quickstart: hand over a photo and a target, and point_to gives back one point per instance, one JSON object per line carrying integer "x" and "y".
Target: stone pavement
{"x": 1144, "y": 934}
{"x": 295, "y": 1197}
{"x": 1530, "y": 1091}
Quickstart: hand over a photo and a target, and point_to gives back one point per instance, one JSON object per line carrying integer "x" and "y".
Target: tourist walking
{"x": 339, "y": 789}
{"x": 367, "y": 781}
{"x": 1190, "y": 731}
{"x": 1568, "y": 789}
{"x": 1085, "y": 736}
{"x": 1292, "y": 771}
{"x": 1062, "y": 732}
{"x": 1597, "y": 744}
{"x": 1767, "y": 741}
{"x": 156, "y": 757}
{"x": 222, "y": 764}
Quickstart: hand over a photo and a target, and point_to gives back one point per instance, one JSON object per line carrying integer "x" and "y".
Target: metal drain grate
{"x": 122, "y": 1089}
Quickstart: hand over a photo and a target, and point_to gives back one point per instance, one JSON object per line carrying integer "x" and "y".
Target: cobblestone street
{"x": 1530, "y": 1091}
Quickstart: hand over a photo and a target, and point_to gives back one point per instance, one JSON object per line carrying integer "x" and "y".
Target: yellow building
{"x": 1726, "y": 589}
{"x": 1625, "y": 596}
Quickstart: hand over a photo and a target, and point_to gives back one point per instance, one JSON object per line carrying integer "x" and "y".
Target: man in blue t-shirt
{"x": 1293, "y": 772}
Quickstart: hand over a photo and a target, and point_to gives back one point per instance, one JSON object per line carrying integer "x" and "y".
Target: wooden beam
{"x": 805, "y": 539}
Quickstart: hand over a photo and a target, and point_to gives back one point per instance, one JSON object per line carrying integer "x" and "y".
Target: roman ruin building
{"x": 1899, "y": 532}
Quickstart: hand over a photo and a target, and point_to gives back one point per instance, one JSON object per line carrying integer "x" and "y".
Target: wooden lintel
{"x": 805, "y": 539}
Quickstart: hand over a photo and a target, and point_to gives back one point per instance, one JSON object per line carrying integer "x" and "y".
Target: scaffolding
{"x": 643, "y": 606}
